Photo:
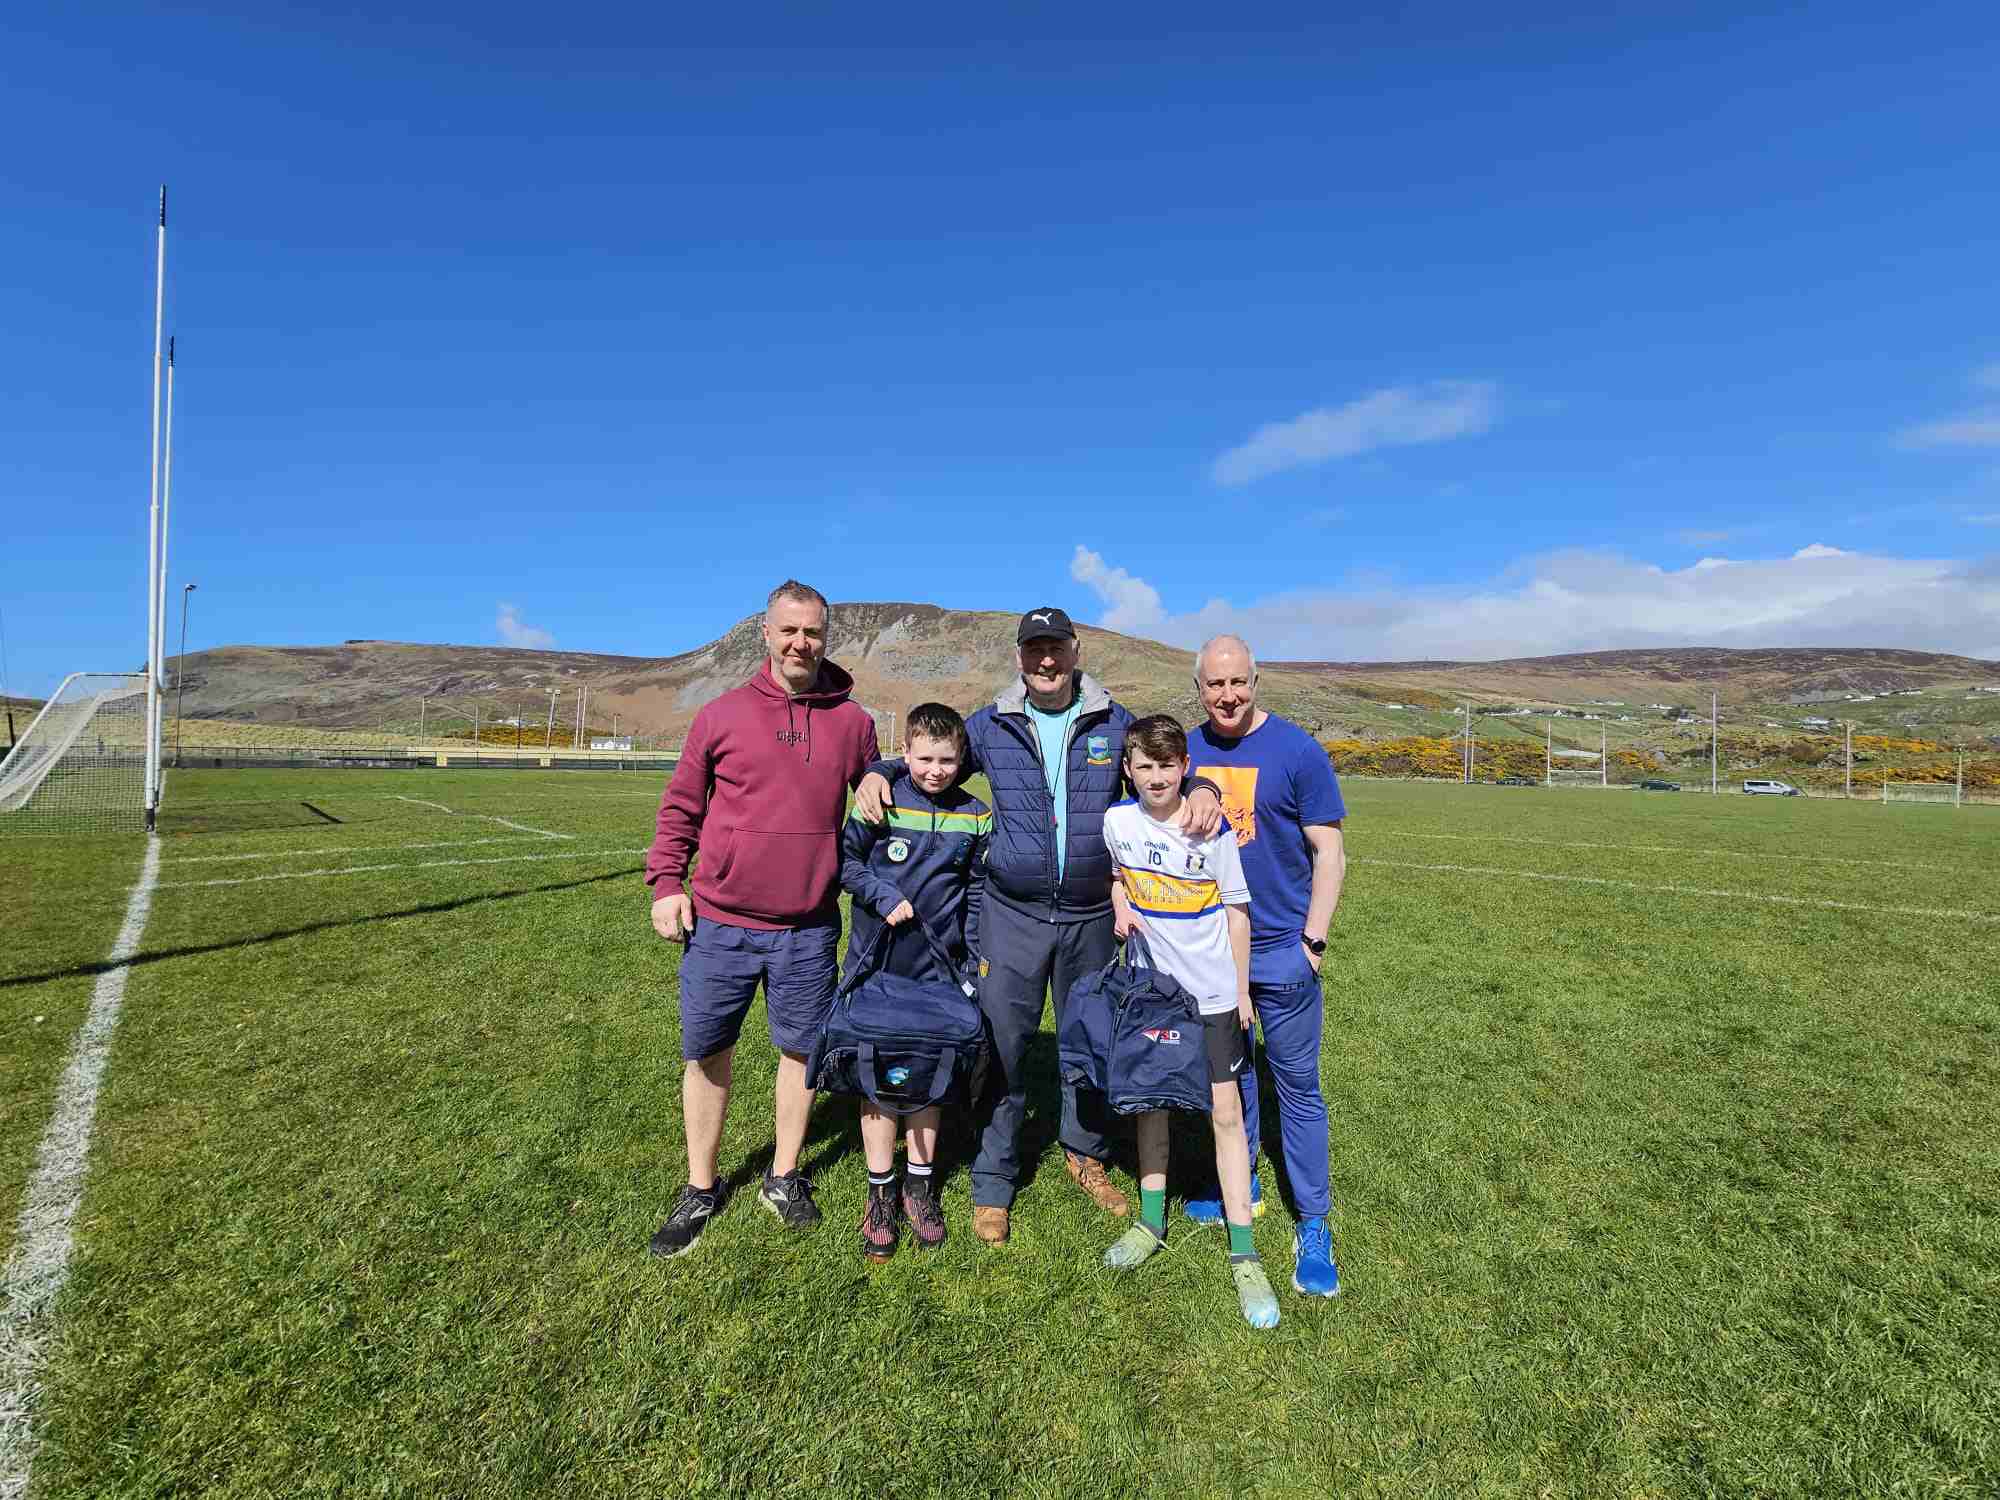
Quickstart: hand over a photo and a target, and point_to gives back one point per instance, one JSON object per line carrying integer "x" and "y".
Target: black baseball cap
{"x": 1037, "y": 623}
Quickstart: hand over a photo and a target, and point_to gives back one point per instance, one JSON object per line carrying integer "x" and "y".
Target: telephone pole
{"x": 1548, "y": 752}
{"x": 549, "y": 734}
{"x": 1850, "y": 758}
{"x": 1603, "y": 755}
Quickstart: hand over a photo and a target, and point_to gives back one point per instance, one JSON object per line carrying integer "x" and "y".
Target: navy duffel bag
{"x": 904, "y": 1043}
{"x": 1132, "y": 1033}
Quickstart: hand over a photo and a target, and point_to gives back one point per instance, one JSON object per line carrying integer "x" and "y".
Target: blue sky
{"x": 1461, "y": 332}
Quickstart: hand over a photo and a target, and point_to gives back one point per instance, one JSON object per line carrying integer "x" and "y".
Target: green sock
{"x": 1153, "y": 1207}
{"x": 1241, "y": 1241}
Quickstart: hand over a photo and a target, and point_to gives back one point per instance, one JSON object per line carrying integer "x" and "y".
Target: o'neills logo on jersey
{"x": 1166, "y": 1036}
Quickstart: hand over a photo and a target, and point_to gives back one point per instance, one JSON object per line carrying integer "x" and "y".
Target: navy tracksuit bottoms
{"x": 1025, "y": 957}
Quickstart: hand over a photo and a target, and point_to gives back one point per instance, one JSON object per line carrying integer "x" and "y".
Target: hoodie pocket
{"x": 776, "y": 877}
{"x": 718, "y": 856}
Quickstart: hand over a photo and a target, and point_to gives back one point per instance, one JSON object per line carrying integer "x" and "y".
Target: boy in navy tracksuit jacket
{"x": 922, "y": 868}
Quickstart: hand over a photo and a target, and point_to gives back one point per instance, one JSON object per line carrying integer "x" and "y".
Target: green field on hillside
{"x": 1666, "y": 1156}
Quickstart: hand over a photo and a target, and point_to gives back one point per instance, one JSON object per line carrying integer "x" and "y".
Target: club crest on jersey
{"x": 1097, "y": 749}
{"x": 898, "y": 851}
{"x": 1166, "y": 1036}
{"x": 1197, "y": 863}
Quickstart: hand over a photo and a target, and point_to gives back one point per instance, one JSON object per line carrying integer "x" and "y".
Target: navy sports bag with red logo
{"x": 1132, "y": 1033}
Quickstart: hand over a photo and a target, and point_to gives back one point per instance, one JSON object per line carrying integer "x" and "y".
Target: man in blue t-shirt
{"x": 1281, "y": 796}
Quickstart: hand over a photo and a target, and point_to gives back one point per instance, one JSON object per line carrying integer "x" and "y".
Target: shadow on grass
{"x": 159, "y": 955}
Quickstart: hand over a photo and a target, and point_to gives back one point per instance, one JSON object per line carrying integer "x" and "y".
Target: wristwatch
{"x": 1314, "y": 946}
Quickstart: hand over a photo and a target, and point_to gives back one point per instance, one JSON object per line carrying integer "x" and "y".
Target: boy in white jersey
{"x": 1189, "y": 898}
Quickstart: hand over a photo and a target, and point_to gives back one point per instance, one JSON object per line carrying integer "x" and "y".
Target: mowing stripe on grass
{"x": 1692, "y": 890}
{"x": 1783, "y": 859}
{"x": 426, "y": 864}
{"x": 505, "y": 838}
{"x": 38, "y": 1267}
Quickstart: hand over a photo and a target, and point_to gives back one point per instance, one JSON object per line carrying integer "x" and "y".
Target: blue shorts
{"x": 720, "y": 972}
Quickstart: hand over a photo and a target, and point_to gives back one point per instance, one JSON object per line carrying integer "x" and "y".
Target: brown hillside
{"x": 901, "y": 654}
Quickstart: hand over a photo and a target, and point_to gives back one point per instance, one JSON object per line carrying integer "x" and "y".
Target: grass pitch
{"x": 1665, "y": 1150}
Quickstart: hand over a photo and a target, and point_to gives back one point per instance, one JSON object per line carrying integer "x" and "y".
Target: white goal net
{"x": 81, "y": 766}
{"x": 1920, "y": 791}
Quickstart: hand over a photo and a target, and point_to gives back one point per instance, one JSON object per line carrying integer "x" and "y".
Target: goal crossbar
{"x": 1921, "y": 791}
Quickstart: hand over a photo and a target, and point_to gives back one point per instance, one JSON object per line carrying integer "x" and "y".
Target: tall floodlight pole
{"x": 1712, "y": 743}
{"x": 1603, "y": 755}
{"x": 423, "y": 715}
{"x": 1471, "y": 747}
{"x": 166, "y": 512}
{"x": 1850, "y": 758}
{"x": 153, "y": 580}
{"x": 180, "y": 672}
{"x": 1548, "y": 752}
{"x": 549, "y": 734}
{"x": 1958, "y": 791}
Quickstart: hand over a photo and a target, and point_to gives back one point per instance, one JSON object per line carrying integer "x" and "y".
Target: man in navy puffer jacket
{"x": 1052, "y": 747}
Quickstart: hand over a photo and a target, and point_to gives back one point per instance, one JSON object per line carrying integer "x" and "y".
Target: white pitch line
{"x": 1693, "y": 890}
{"x": 523, "y": 827}
{"x": 1696, "y": 850}
{"x": 211, "y": 859}
{"x": 39, "y": 1265}
{"x": 427, "y": 864}
{"x": 399, "y": 797}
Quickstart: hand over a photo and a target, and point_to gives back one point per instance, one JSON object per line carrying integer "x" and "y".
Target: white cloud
{"x": 1393, "y": 417}
{"x": 1977, "y": 430}
{"x": 514, "y": 632}
{"x": 1582, "y": 601}
{"x": 1131, "y": 604}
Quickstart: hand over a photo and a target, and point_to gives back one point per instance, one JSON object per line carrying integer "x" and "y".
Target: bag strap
{"x": 878, "y": 947}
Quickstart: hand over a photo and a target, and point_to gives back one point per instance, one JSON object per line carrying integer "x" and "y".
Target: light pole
{"x": 180, "y": 673}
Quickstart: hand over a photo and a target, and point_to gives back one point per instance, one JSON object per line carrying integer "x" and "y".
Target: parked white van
{"x": 1771, "y": 789}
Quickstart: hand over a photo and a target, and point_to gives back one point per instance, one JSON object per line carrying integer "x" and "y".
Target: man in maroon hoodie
{"x": 761, "y": 789}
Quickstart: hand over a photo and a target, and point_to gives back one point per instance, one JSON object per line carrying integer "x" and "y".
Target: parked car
{"x": 1659, "y": 786}
{"x": 1770, "y": 789}
{"x": 1515, "y": 781}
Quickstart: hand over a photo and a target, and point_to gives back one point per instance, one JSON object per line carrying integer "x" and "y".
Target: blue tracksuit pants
{"x": 1025, "y": 959}
{"x": 1292, "y": 1018}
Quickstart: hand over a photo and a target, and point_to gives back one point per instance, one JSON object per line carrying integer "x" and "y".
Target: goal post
{"x": 82, "y": 766}
{"x": 1945, "y": 792}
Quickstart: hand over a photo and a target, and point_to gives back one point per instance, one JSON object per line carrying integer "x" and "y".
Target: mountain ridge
{"x": 902, "y": 653}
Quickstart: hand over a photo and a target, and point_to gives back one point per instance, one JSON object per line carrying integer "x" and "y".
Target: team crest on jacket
{"x": 898, "y": 850}
{"x": 1097, "y": 749}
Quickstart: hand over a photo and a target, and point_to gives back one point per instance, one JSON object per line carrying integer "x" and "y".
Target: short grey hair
{"x": 798, "y": 593}
{"x": 1237, "y": 641}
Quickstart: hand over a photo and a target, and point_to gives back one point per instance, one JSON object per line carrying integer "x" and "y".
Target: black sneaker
{"x": 791, "y": 1199}
{"x": 692, "y": 1211}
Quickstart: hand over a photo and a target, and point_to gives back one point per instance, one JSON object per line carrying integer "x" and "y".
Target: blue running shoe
{"x": 1209, "y": 1210}
{"x": 1314, "y": 1274}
